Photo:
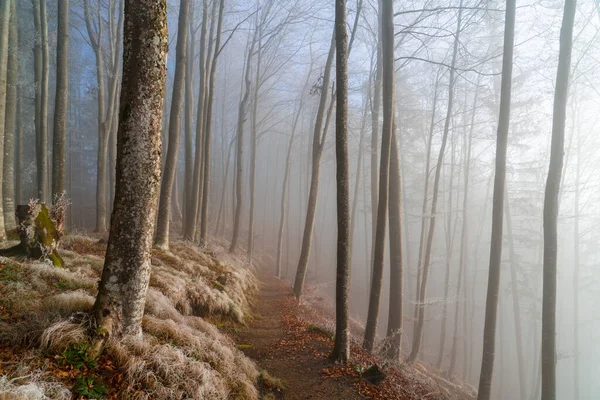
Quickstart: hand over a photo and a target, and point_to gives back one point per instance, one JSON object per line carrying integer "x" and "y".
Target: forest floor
{"x": 288, "y": 339}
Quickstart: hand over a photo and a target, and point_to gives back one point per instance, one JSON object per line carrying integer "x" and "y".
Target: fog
{"x": 293, "y": 45}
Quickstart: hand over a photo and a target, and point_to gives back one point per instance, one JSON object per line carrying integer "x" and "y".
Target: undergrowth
{"x": 180, "y": 355}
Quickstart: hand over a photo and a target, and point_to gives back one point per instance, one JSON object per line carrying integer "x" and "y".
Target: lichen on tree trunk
{"x": 40, "y": 231}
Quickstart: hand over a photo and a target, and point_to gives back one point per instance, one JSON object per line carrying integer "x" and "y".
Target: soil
{"x": 292, "y": 342}
{"x": 290, "y": 349}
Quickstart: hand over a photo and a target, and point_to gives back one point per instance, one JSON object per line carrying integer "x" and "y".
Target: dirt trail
{"x": 288, "y": 349}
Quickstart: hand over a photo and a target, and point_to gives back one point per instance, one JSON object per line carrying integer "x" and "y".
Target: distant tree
{"x": 106, "y": 109}
{"x": 491, "y": 304}
{"x": 193, "y": 205}
{"x": 422, "y": 287}
{"x": 5, "y": 9}
{"x": 208, "y": 127}
{"x": 41, "y": 94}
{"x": 318, "y": 142}
{"x": 10, "y": 127}
{"x": 341, "y": 349}
{"x": 286, "y": 173}
{"x": 164, "y": 208}
{"x": 551, "y": 203}
{"x": 387, "y": 61}
{"x": 59, "y": 157}
{"x": 242, "y": 110}
{"x": 122, "y": 290}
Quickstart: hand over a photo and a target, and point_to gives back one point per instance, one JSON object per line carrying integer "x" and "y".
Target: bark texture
{"x": 122, "y": 291}
{"x": 341, "y": 348}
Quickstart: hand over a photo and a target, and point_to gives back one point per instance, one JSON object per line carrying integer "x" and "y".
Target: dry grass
{"x": 32, "y": 387}
{"x": 180, "y": 355}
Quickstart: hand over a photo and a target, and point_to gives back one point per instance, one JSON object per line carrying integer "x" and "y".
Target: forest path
{"x": 281, "y": 343}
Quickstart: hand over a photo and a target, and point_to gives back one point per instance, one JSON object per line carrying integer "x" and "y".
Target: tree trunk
{"x": 207, "y": 133}
{"x": 448, "y": 258}
{"x": 162, "y": 226}
{"x": 317, "y": 149}
{"x": 515, "y": 297}
{"x": 341, "y": 349}
{"x": 59, "y": 157}
{"x": 40, "y": 231}
{"x": 240, "y": 148}
{"x": 122, "y": 290}
{"x": 551, "y": 204}
{"x": 375, "y": 108}
{"x": 387, "y": 61}
{"x": 464, "y": 237}
{"x": 254, "y": 143}
{"x": 42, "y": 132}
{"x": 189, "y": 111}
{"x": 427, "y": 253}
{"x": 396, "y": 303}
{"x": 19, "y": 152}
{"x": 193, "y": 205}
{"x": 363, "y": 128}
{"x": 12, "y": 81}
{"x": 576, "y": 272}
{"x": 37, "y": 69}
{"x": 286, "y": 174}
{"x": 423, "y": 231}
{"x": 5, "y": 11}
{"x": 491, "y": 305}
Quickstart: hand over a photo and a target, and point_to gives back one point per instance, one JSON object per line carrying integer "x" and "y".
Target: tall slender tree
{"x": 341, "y": 349}
{"x": 12, "y": 79}
{"x": 418, "y": 334}
{"x": 551, "y": 203}
{"x": 5, "y": 10}
{"x": 491, "y": 304}
{"x": 207, "y": 135}
{"x": 387, "y": 60}
{"x": 194, "y": 204}
{"x": 59, "y": 142}
{"x": 164, "y": 208}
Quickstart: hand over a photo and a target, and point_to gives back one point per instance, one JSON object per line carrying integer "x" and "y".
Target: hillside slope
{"x": 43, "y": 329}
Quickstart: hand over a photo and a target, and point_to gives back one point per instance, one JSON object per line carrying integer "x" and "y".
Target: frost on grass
{"x": 180, "y": 354}
{"x": 32, "y": 387}
{"x": 175, "y": 360}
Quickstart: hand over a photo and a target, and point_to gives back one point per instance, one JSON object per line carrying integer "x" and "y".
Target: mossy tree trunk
{"x": 40, "y": 231}
{"x": 126, "y": 274}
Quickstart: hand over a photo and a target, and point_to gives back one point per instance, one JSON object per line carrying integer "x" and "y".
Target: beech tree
{"x": 425, "y": 264}
{"x": 11, "y": 122}
{"x": 491, "y": 305}
{"x": 341, "y": 348}
{"x": 59, "y": 158}
{"x": 126, "y": 274}
{"x": 387, "y": 40}
{"x": 551, "y": 203}
{"x": 164, "y": 207}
